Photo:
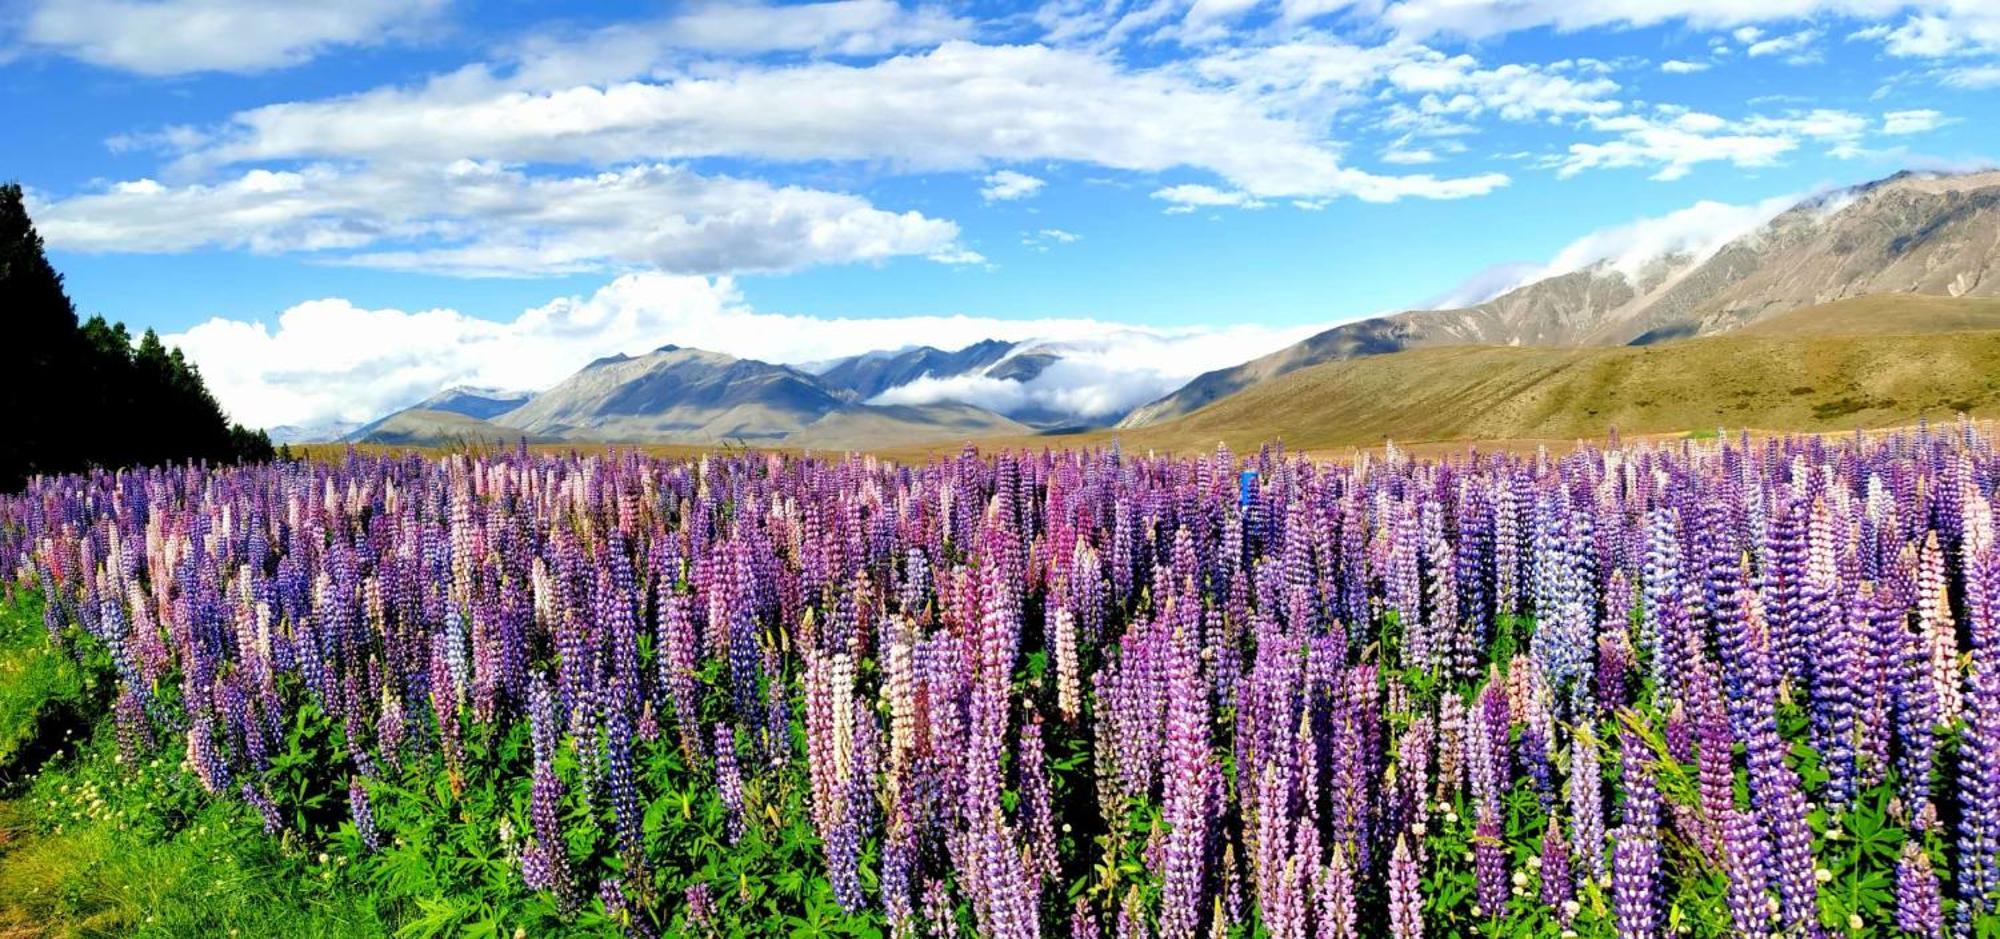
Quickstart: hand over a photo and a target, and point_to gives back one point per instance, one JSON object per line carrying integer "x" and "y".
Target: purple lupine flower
{"x": 1489, "y": 859}
{"x": 363, "y": 814}
{"x": 1036, "y": 810}
{"x": 267, "y": 811}
{"x": 1979, "y": 783}
{"x": 1635, "y": 881}
{"x": 550, "y": 862}
{"x": 729, "y": 780}
{"x": 1187, "y": 785}
{"x": 1557, "y": 887}
{"x": 700, "y": 906}
{"x": 1751, "y": 906}
{"x": 1919, "y": 905}
{"x": 1337, "y": 914}
{"x": 1406, "y": 916}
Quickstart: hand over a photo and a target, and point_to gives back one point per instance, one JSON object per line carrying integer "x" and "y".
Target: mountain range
{"x": 1911, "y": 235}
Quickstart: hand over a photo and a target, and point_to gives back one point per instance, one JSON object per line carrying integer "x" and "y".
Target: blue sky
{"x": 339, "y": 212}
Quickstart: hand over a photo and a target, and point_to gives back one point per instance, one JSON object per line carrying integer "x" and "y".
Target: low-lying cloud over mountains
{"x": 328, "y": 361}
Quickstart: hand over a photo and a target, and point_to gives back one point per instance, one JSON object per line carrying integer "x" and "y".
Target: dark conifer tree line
{"x": 83, "y": 395}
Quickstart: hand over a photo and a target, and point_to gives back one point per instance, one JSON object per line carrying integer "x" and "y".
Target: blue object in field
{"x": 1246, "y": 488}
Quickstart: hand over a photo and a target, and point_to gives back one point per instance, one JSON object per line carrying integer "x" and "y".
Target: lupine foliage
{"x": 1721, "y": 688}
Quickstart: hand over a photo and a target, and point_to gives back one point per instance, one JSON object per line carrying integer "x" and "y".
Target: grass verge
{"x": 90, "y": 847}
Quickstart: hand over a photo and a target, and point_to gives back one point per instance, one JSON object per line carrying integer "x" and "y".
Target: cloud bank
{"x": 328, "y": 361}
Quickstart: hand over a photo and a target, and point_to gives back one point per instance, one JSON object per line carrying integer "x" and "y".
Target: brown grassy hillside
{"x": 1884, "y": 362}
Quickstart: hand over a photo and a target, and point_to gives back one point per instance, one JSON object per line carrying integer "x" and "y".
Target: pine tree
{"x": 83, "y": 396}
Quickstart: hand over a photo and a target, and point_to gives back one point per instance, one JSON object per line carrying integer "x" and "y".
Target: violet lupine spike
{"x": 547, "y": 860}
{"x": 729, "y": 781}
{"x": 1635, "y": 882}
{"x": 1919, "y": 903}
{"x": 1187, "y": 785}
{"x": 1978, "y": 867}
{"x": 1557, "y": 889}
{"x": 363, "y": 814}
{"x": 1406, "y": 915}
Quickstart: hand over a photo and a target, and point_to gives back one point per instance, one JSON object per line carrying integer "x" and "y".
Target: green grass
{"x": 42, "y": 695}
{"x": 91, "y": 847}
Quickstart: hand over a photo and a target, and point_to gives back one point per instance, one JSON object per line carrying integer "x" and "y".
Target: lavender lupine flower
{"x": 1557, "y": 888}
{"x": 700, "y": 906}
{"x": 1036, "y": 809}
{"x": 1746, "y": 859}
{"x": 1919, "y": 905}
{"x": 1586, "y": 806}
{"x": 1337, "y": 912}
{"x": 729, "y": 780}
{"x": 1406, "y": 917}
{"x": 1489, "y": 859}
{"x": 1979, "y": 783}
{"x": 1635, "y": 877}
{"x": 1187, "y": 786}
{"x": 267, "y": 811}
{"x": 363, "y": 814}
{"x": 546, "y": 863}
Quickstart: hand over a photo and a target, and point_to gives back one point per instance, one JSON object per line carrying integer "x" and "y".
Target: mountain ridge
{"x": 1916, "y": 233}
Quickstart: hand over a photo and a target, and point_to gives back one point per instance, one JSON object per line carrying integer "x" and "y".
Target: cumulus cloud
{"x": 1007, "y": 185}
{"x": 958, "y": 106}
{"x": 329, "y": 360}
{"x": 1683, "y": 67}
{"x": 1916, "y": 121}
{"x": 172, "y": 37}
{"x": 484, "y": 219}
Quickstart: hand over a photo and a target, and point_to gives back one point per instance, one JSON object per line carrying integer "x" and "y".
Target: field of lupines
{"x": 1721, "y": 688}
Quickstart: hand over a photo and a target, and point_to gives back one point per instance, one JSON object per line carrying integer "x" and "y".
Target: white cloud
{"x": 1793, "y": 44}
{"x": 1007, "y": 185}
{"x": 1404, "y": 155}
{"x": 630, "y": 50}
{"x": 1924, "y": 37}
{"x": 484, "y": 219}
{"x": 1188, "y": 197}
{"x": 330, "y": 360}
{"x": 1974, "y": 77}
{"x": 1675, "y": 140}
{"x": 1697, "y": 232}
{"x": 1107, "y": 373}
{"x": 1683, "y": 67}
{"x": 1482, "y": 18}
{"x": 1046, "y": 238}
{"x": 1916, "y": 121}
{"x": 1487, "y": 284}
{"x": 1457, "y": 85}
{"x": 171, "y": 37}
{"x": 958, "y": 106}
